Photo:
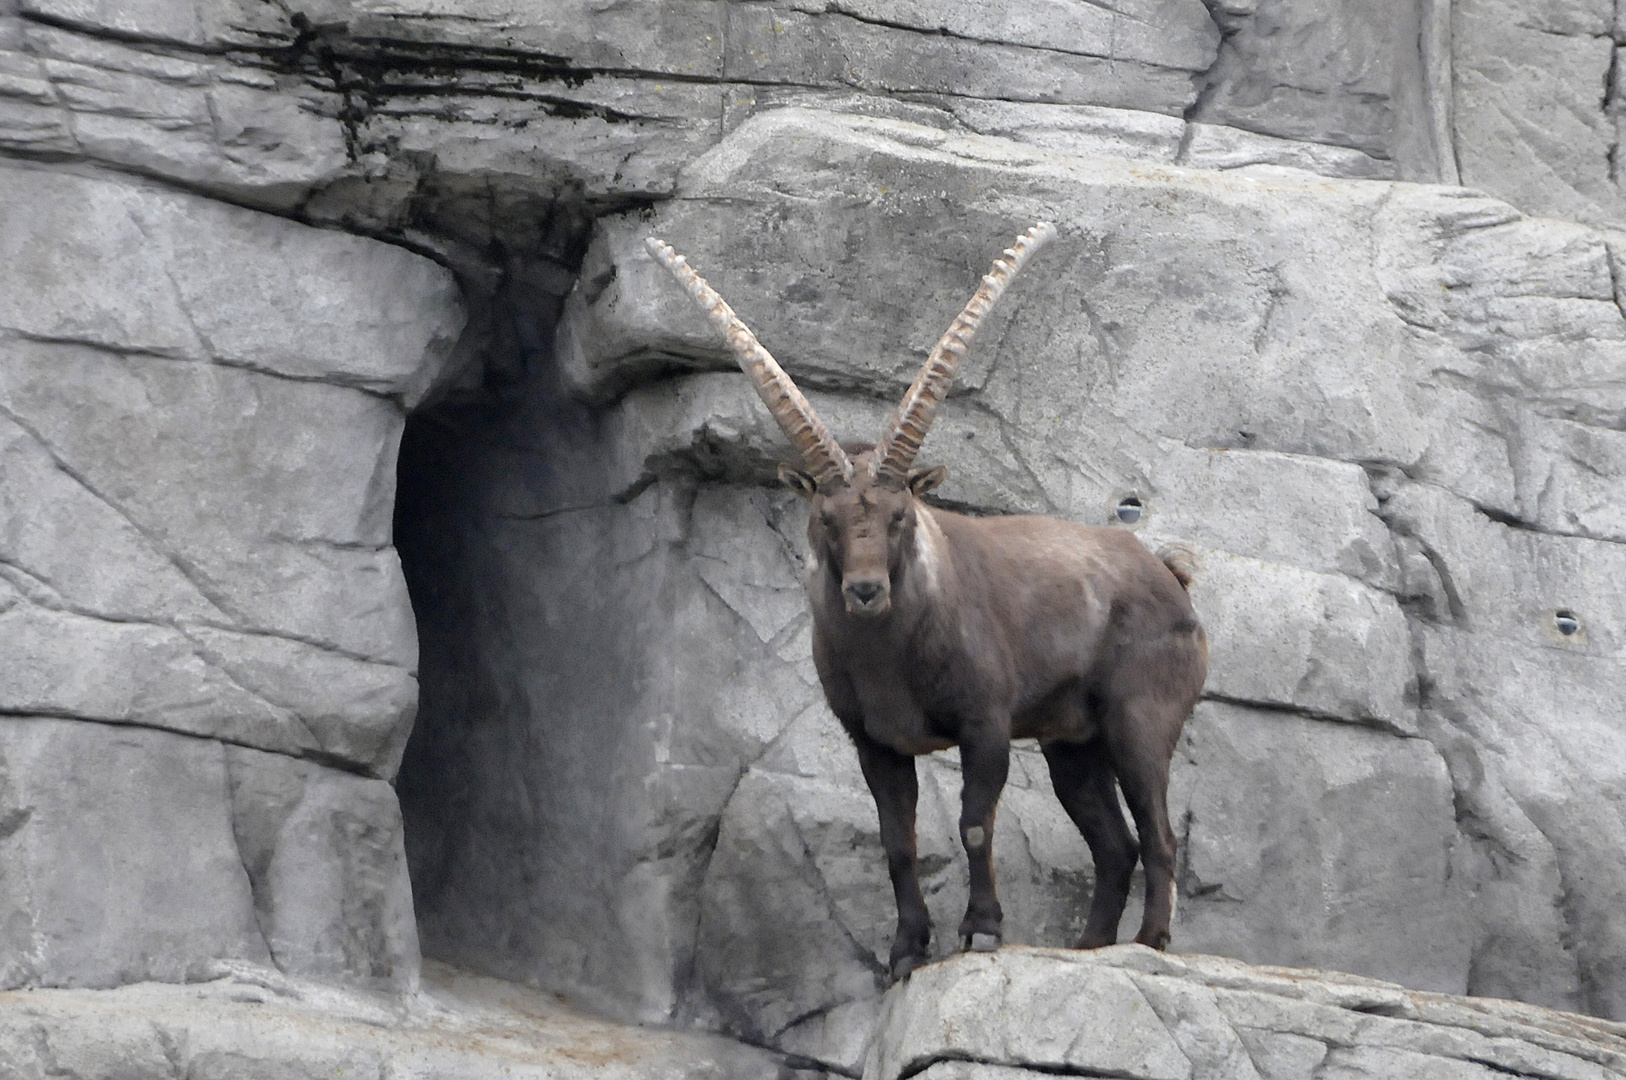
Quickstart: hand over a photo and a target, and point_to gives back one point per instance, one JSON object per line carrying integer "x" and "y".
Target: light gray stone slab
{"x": 1227, "y": 1019}
{"x": 60, "y": 664}
{"x": 1217, "y": 146}
{"x": 201, "y": 120}
{"x": 133, "y": 269}
{"x": 1324, "y": 72}
{"x": 247, "y": 1021}
{"x": 52, "y": 524}
{"x": 119, "y": 860}
{"x": 197, "y": 537}
{"x": 1311, "y": 843}
{"x": 131, "y": 855}
{"x": 956, "y": 1009}
{"x": 305, "y": 561}
{"x": 324, "y": 857}
{"x": 774, "y": 43}
{"x": 1074, "y": 129}
{"x": 1530, "y": 124}
{"x": 1318, "y": 643}
{"x": 1522, "y": 712}
{"x": 1178, "y": 34}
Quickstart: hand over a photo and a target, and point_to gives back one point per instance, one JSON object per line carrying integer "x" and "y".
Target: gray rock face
{"x": 133, "y": 854}
{"x": 1126, "y": 1011}
{"x": 1352, "y": 75}
{"x": 199, "y": 412}
{"x": 203, "y": 562}
{"x": 240, "y": 1020}
{"x": 1530, "y": 105}
{"x": 1329, "y": 792}
{"x": 1341, "y": 833}
{"x": 1386, "y": 415}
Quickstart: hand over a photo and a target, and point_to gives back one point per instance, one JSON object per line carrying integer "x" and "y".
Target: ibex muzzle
{"x": 932, "y": 629}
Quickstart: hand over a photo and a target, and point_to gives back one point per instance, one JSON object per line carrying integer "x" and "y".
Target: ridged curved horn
{"x": 903, "y": 434}
{"x": 820, "y": 451}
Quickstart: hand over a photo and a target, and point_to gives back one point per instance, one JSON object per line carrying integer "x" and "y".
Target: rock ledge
{"x": 1130, "y": 1012}
{"x": 252, "y": 1023}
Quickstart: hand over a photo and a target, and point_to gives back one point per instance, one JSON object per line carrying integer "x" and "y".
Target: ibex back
{"x": 932, "y": 629}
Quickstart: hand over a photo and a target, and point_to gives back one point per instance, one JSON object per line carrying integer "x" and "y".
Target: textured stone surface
{"x": 1128, "y": 1012}
{"x": 1387, "y": 416}
{"x": 1534, "y": 104}
{"x": 200, "y": 407}
{"x": 134, "y": 269}
{"x": 1345, "y": 74}
{"x": 207, "y": 562}
{"x": 1283, "y": 292}
{"x": 1327, "y": 801}
{"x": 242, "y": 1021}
{"x": 132, "y": 854}
{"x": 393, "y": 115}
{"x": 1523, "y": 716}
{"x": 1313, "y": 844}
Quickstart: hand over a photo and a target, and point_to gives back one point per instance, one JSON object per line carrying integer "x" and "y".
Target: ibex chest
{"x": 894, "y": 715}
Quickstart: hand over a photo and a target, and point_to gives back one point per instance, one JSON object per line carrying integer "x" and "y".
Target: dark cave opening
{"x": 495, "y": 453}
{"x": 537, "y": 591}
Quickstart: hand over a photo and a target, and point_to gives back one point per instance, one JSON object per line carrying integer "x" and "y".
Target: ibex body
{"x": 932, "y": 629}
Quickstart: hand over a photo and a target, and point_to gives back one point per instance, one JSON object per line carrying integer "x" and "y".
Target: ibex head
{"x": 864, "y": 511}
{"x": 864, "y": 529}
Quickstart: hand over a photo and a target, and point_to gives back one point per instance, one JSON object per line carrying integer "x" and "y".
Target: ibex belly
{"x": 1064, "y": 715}
{"x": 1059, "y": 652}
{"x": 892, "y": 716}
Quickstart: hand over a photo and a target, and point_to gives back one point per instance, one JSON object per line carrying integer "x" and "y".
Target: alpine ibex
{"x": 932, "y": 629}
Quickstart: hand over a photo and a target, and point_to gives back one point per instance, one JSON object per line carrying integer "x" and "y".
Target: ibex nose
{"x": 866, "y": 596}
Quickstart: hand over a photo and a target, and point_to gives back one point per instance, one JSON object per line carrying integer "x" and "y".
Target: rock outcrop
{"x": 1336, "y": 302}
{"x": 245, "y": 1021}
{"x": 1361, "y": 411}
{"x": 1128, "y": 1012}
{"x": 207, "y": 655}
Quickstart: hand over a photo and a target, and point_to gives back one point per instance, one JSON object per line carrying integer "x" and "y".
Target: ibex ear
{"x": 798, "y": 481}
{"x": 923, "y": 480}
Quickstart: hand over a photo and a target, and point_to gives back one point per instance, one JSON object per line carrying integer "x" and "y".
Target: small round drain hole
{"x": 1566, "y": 622}
{"x": 1129, "y": 510}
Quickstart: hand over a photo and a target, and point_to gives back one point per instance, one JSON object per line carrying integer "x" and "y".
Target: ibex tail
{"x": 1182, "y": 563}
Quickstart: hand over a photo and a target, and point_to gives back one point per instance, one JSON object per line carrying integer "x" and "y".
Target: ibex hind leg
{"x": 1141, "y": 738}
{"x": 1082, "y": 776}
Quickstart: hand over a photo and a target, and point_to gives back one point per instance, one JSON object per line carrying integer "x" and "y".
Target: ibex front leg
{"x": 985, "y": 759}
{"x": 892, "y": 781}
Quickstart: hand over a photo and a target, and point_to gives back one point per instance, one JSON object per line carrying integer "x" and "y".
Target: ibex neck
{"x": 929, "y": 562}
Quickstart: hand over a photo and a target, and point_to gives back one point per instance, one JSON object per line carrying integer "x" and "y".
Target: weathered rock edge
{"x": 1129, "y": 1012}
{"x": 249, "y": 1021}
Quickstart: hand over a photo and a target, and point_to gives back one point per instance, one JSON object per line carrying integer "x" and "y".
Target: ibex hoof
{"x": 1158, "y": 940}
{"x": 980, "y": 943}
{"x": 904, "y": 966}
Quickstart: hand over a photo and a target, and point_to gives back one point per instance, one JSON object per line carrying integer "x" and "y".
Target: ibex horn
{"x": 903, "y": 434}
{"x": 822, "y": 454}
